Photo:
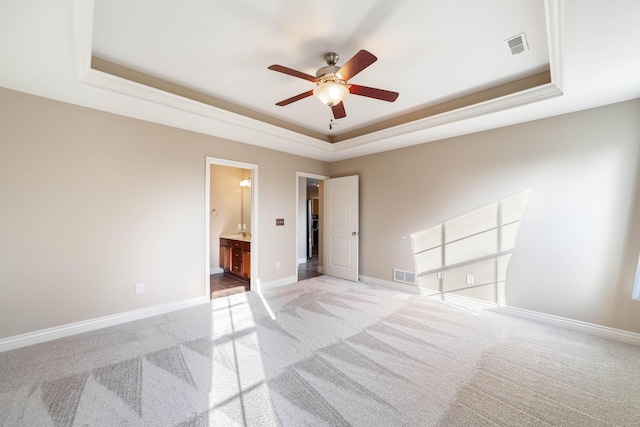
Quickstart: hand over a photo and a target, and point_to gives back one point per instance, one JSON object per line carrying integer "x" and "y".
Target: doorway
{"x": 338, "y": 233}
{"x": 309, "y": 225}
{"x": 231, "y": 202}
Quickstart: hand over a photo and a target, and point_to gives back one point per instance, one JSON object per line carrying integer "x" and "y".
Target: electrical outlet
{"x": 279, "y": 221}
{"x": 139, "y": 288}
{"x": 469, "y": 279}
{"x": 277, "y": 266}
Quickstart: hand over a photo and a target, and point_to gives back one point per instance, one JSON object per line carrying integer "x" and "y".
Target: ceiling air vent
{"x": 517, "y": 44}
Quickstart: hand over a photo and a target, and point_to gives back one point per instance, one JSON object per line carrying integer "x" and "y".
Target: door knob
{"x": 355, "y": 233}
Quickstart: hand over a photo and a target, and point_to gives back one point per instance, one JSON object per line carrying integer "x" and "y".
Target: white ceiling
{"x": 428, "y": 51}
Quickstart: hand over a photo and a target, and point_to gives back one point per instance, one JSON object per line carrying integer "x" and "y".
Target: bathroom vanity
{"x": 235, "y": 256}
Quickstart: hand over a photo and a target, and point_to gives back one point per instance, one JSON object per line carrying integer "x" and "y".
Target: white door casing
{"x": 341, "y": 227}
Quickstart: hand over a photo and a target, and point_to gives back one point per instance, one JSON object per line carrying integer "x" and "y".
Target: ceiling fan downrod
{"x": 331, "y": 58}
{"x": 331, "y": 67}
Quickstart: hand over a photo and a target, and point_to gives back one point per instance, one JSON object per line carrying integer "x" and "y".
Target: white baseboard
{"x": 276, "y": 283}
{"x": 302, "y": 260}
{"x": 576, "y": 325}
{"x": 30, "y": 338}
{"x": 36, "y": 337}
{"x": 467, "y": 302}
{"x": 472, "y": 303}
{"x": 216, "y": 270}
{"x": 394, "y": 285}
{"x": 563, "y": 322}
{"x": 320, "y": 269}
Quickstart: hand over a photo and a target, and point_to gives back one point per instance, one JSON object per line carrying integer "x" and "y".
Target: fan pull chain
{"x": 331, "y": 123}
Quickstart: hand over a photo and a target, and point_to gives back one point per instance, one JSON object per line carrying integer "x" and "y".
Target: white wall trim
{"x": 394, "y": 285}
{"x": 216, "y": 270}
{"x": 563, "y": 322}
{"x": 43, "y": 335}
{"x": 554, "y": 15}
{"x": 302, "y": 260}
{"x": 471, "y": 303}
{"x": 36, "y": 337}
{"x": 277, "y": 283}
{"x": 83, "y": 31}
{"x": 234, "y": 126}
{"x": 576, "y": 325}
{"x": 459, "y": 300}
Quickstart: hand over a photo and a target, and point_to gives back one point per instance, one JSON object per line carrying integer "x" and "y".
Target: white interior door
{"x": 341, "y": 227}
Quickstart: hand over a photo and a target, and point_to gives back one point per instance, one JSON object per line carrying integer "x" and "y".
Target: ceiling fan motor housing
{"x": 329, "y": 69}
{"x": 332, "y": 59}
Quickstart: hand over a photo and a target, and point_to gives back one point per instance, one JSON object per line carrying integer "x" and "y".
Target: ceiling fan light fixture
{"x": 331, "y": 91}
{"x": 332, "y": 83}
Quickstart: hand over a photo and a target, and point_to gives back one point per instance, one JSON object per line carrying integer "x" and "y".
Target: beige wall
{"x": 577, "y": 246}
{"x": 93, "y": 203}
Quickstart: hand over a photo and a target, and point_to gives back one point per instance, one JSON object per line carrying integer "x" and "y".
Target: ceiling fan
{"x": 332, "y": 82}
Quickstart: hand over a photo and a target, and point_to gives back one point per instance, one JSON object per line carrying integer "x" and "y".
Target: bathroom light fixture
{"x": 245, "y": 182}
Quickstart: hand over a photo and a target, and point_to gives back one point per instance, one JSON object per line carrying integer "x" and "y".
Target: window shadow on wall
{"x": 468, "y": 256}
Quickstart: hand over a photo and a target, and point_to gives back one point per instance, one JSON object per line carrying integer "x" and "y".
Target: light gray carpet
{"x": 337, "y": 354}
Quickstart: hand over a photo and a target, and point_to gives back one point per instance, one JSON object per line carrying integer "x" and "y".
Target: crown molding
{"x": 248, "y": 130}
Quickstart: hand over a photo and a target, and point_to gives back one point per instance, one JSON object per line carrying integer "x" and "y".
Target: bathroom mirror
{"x": 245, "y": 190}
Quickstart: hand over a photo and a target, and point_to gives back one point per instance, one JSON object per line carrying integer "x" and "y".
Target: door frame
{"x": 298, "y": 225}
{"x": 209, "y": 161}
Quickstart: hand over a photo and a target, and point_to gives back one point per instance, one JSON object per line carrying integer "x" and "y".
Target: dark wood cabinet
{"x": 235, "y": 258}
{"x": 246, "y": 263}
{"x": 225, "y": 257}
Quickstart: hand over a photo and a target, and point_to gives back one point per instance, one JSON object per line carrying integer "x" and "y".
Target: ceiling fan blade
{"x": 294, "y": 98}
{"x": 338, "y": 111}
{"x": 359, "y": 62}
{"x": 292, "y": 72}
{"x": 371, "y": 92}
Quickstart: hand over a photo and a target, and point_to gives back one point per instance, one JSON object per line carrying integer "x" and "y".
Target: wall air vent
{"x": 517, "y": 44}
{"x": 404, "y": 276}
